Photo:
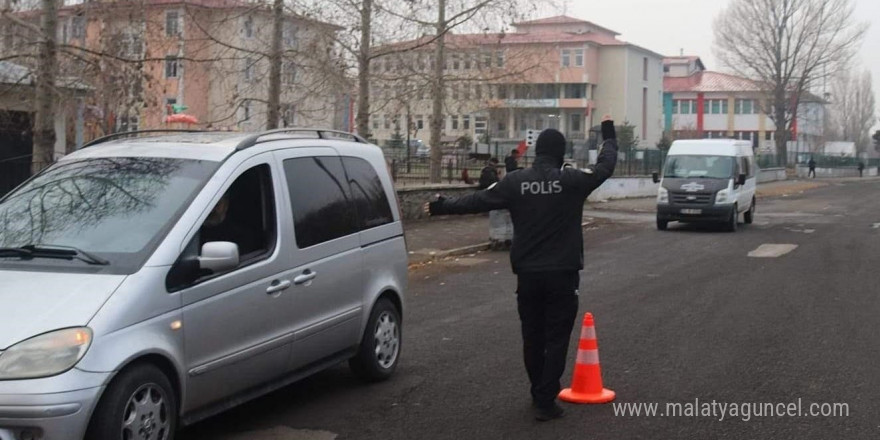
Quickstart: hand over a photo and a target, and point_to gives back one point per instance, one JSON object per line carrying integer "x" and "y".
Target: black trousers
{"x": 548, "y": 305}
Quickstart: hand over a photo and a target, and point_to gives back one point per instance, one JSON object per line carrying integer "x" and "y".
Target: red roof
{"x": 470, "y": 40}
{"x": 708, "y": 81}
{"x": 562, "y": 19}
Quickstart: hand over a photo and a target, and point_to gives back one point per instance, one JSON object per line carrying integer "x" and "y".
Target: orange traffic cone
{"x": 586, "y": 385}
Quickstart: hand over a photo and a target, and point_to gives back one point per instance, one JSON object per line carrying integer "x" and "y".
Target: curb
{"x": 464, "y": 250}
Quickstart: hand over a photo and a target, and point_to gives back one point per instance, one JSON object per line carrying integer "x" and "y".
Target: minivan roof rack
{"x": 136, "y": 133}
{"x": 254, "y": 139}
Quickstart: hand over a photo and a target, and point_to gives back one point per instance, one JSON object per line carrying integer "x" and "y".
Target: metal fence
{"x": 822, "y": 160}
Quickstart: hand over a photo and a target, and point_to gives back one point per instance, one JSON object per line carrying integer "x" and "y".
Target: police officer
{"x": 546, "y": 205}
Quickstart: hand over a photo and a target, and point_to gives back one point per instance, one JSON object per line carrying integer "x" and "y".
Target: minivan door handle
{"x": 278, "y": 286}
{"x": 306, "y": 276}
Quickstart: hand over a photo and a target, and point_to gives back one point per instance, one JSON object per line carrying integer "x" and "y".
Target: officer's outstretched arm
{"x": 596, "y": 174}
{"x": 490, "y": 199}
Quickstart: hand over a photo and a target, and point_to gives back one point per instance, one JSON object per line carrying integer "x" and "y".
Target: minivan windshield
{"x": 114, "y": 208}
{"x": 699, "y": 166}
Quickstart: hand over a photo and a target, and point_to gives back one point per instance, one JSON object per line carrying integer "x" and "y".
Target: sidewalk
{"x": 441, "y": 237}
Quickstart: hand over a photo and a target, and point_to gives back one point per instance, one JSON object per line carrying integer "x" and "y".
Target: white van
{"x": 707, "y": 181}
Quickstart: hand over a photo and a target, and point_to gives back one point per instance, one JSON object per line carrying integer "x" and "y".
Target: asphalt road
{"x": 680, "y": 315}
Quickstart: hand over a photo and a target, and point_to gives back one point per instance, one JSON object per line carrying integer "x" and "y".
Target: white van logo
{"x": 692, "y": 187}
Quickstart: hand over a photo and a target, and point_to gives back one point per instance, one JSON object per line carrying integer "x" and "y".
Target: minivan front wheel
{"x": 749, "y": 216}
{"x": 734, "y": 217}
{"x": 379, "y": 351}
{"x": 138, "y": 404}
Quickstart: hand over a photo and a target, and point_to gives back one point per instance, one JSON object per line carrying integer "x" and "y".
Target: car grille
{"x": 691, "y": 199}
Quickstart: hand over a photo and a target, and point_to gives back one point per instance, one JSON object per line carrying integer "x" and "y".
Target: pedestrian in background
{"x": 489, "y": 174}
{"x": 861, "y": 168}
{"x": 546, "y": 205}
{"x": 511, "y": 162}
{"x": 812, "y": 165}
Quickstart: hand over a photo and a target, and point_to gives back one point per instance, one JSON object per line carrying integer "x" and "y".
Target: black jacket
{"x": 511, "y": 164}
{"x": 546, "y": 204}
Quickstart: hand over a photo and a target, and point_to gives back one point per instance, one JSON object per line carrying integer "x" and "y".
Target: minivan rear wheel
{"x": 379, "y": 351}
{"x": 139, "y": 404}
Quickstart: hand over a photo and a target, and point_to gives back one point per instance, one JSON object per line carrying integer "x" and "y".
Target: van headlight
{"x": 662, "y": 195}
{"x": 723, "y": 197}
{"x": 46, "y": 355}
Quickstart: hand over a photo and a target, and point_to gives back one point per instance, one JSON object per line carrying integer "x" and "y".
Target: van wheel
{"x": 139, "y": 404}
{"x": 662, "y": 224}
{"x": 749, "y": 216}
{"x": 734, "y": 218}
{"x": 379, "y": 352}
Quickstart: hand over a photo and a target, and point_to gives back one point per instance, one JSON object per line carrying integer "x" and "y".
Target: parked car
{"x": 423, "y": 151}
{"x": 707, "y": 181}
{"x": 150, "y": 282}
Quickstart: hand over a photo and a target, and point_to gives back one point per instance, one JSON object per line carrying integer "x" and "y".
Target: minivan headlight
{"x": 662, "y": 195}
{"x": 46, "y": 355}
{"x": 722, "y": 197}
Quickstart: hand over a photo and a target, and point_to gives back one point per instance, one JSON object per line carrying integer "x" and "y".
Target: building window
{"x": 169, "y": 106}
{"x": 375, "y": 119}
{"x": 466, "y": 91}
{"x": 487, "y": 60}
{"x": 579, "y": 58}
{"x": 288, "y": 72}
{"x": 172, "y": 23}
{"x": 645, "y": 112}
{"x": 246, "y": 109}
{"x": 248, "y": 27}
{"x": 172, "y": 64}
{"x": 715, "y": 107}
{"x": 501, "y": 126}
{"x": 467, "y": 61}
{"x": 248, "y": 69}
{"x": 386, "y": 122}
{"x": 478, "y": 91}
{"x": 675, "y": 106}
{"x": 454, "y": 120}
{"x": 288, "y": 113}
{"x": 466, "y": 122}
{"x": 499, "y": 58}
{"x": 575, "y": 91}
{"x": 289, "y": 34}
{"x": 645, "y": 68}
{"x": 745, "y": 107}
{"x": 420, "y": 122}
{"x": 77, "y": 27}
{"x": 566, "y": 57}
{"x": 574, "y": 123}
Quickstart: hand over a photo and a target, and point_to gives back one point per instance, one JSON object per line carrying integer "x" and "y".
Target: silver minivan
{"x": 151, "y": 281}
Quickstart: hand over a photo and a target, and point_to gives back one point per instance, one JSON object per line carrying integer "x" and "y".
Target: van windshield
{"x": 116, "y": 208}
{"x": 698, "y": 166}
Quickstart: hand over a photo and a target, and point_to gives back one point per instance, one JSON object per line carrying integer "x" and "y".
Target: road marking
{"x": 772, "y": 250}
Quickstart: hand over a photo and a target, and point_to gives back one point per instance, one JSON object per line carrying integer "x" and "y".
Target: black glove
{"x": 608, "y": 130}
{"x": 436, "y": 207}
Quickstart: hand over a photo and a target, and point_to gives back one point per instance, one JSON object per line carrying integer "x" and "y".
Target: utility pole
{"x": 437, "y": 119}
{"x": 274, "y": 98}
{"x": 363, "y": 60}
{"x": 44, "y": 99}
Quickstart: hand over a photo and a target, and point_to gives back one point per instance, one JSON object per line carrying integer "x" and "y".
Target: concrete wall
{"x": 803, "y": 172}
{"x": 771, "y": 175}
{"x": 625, "y": 187}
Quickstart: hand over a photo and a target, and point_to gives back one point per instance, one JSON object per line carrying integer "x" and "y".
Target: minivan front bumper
{"x": 711, "y": 213}
{"x": 44, "y": 413}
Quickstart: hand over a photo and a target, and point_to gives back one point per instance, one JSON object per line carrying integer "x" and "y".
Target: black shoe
{"x": 547, "y": 413}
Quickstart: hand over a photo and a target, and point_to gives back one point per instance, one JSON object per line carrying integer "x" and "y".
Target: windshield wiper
{"x": 32, "y": 251}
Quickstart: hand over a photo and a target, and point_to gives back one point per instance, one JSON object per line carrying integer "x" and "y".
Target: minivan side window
{"x": 368, "y": 193}
{"x": 320, "y": 198}
{"x": 244, "y": 215}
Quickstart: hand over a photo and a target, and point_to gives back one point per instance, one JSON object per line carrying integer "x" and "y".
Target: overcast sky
{"x": 669, "y": 26}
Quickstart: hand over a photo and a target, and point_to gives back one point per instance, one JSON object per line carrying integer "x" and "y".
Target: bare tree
{"x": 44, "y": 120}
{"x": 853, "y": 111}
{"x": 787, "y": 46}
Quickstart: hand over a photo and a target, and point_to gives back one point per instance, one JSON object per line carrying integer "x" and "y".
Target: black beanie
{"x": 550, "y": 143}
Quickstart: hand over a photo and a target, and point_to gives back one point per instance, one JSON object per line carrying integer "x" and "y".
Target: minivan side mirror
{"x": 741, "y": 179}
{"x": 656, "y": 177}
{"x": 219, "y": 256}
